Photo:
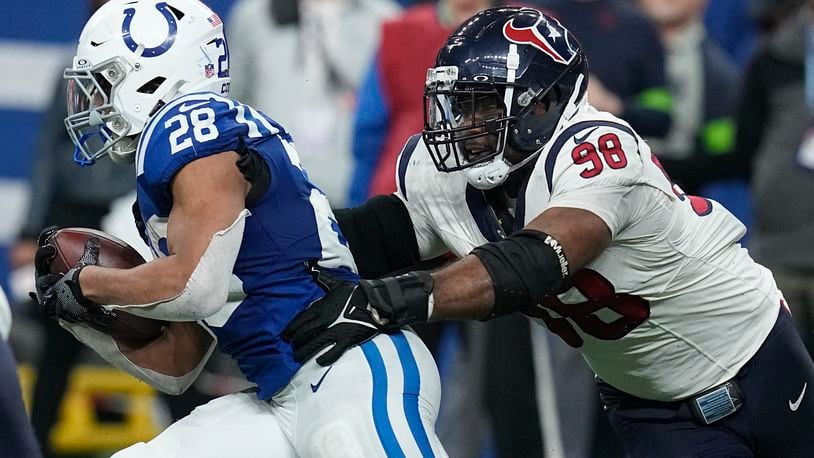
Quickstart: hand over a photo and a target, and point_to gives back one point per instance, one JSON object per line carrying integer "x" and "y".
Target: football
{"x": 69, "y": 244}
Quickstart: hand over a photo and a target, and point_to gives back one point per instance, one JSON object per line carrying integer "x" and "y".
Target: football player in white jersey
{"x": 563, "y": 213}
{"x": 238, "y": 231}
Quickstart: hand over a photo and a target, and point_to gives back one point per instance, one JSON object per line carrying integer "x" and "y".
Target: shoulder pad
{"x": 195, "y": 126}
{"x": 403, "y": 162}
{"x": 601, "y": 139}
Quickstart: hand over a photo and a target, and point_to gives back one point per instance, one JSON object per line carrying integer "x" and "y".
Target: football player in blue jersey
{"x": 239, "y": 235}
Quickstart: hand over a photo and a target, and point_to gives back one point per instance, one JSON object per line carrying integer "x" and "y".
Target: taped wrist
{"x": 401, "y": 300}
{"x": 524, "y": 267}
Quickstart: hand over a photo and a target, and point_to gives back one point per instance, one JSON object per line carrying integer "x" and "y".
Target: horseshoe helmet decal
{"x": 157, "y": 50}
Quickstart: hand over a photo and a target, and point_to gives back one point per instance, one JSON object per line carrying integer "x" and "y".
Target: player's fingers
{"x": 306, "y": 334}
{"x": 302, "y": 324}
{"x": 330, "y": 356}
{"x": 45, "y": 234}
{"x": 313, "y": 347}
{"x": 43, "y": 257}
{"x": 44, "y": 282}
{"x": 330, "y": 282}
{"x": 90, "y": 256}
{"x": 348, "y": 341}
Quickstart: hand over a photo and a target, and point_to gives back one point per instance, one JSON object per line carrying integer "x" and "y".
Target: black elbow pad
{"x": 524, "y": 267}
{"x": 255, "y": 171}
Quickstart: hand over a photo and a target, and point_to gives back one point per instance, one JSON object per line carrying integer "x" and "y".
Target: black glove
{"x": 43, "y": 278}
{"x": 350, "y": 314}
{"x": 64, "y": 300}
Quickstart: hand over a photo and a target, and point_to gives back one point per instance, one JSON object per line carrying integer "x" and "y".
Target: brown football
{"x": 69, "y": 244}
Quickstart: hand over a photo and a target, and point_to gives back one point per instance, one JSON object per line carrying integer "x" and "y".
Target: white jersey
{"x": 673, "y": 306}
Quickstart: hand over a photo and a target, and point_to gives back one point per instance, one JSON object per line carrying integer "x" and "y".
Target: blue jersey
{"x": 290, "y": 226}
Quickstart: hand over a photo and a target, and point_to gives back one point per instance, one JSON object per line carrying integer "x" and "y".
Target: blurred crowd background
{"x": 722, "y": 89}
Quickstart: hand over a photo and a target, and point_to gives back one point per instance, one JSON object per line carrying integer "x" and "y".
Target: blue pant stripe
{"x": 380, "y": 417}
{"x": 412, "y": 386}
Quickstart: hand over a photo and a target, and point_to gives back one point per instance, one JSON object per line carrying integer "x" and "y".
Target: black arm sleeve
{"x": 524, "y": 267}
{"x": 380, "y": 235}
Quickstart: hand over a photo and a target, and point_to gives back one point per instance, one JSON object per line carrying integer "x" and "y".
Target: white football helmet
{"x": 133, "y": 58}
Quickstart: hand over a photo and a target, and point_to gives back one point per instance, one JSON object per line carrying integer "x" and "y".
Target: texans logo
{"x": 560, "y": 51}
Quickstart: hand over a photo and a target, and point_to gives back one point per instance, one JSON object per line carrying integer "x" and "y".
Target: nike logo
{"x": 314, "y": 388}
{"x": 582, "y": 139}
{"x": 186, "y": 107}
{"x": 796, "y": 404}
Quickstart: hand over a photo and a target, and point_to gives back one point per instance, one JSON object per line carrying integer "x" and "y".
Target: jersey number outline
{"x": 600, "y": 294}
{"x": 203, "y": 128}
{"x": 610, "y": 149}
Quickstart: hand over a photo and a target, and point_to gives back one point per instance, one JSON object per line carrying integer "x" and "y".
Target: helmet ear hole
{"x": 103, "y": 83}
{"x": 151, "y": 86}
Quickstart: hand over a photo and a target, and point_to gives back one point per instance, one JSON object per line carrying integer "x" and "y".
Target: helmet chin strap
{"x": 489, "y": 174}
{"x": 124, "y": 152}
{"x": 493, "y": 173}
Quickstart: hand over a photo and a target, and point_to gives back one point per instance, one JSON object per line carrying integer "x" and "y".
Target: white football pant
{"x": 379, "y": 400}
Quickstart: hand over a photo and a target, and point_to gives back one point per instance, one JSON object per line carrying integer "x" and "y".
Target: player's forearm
{"x": 154, "y": 281}
{"x": 176, "y": 352}
{"x": 169, "y": 363}
{"x": 463, "y": 290}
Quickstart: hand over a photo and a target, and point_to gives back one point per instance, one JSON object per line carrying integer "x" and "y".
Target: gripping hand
{"x": 351, "y": 313}
{"x": 63, "y": 298}
{"x": 43, "y": 278}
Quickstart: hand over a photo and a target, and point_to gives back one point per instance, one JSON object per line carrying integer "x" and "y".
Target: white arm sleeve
{"x": 107, "y": 348}
{"x": 207, "y": 289}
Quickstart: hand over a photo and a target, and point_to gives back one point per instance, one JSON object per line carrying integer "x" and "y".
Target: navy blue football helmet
{"x": 507, "y": 75}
